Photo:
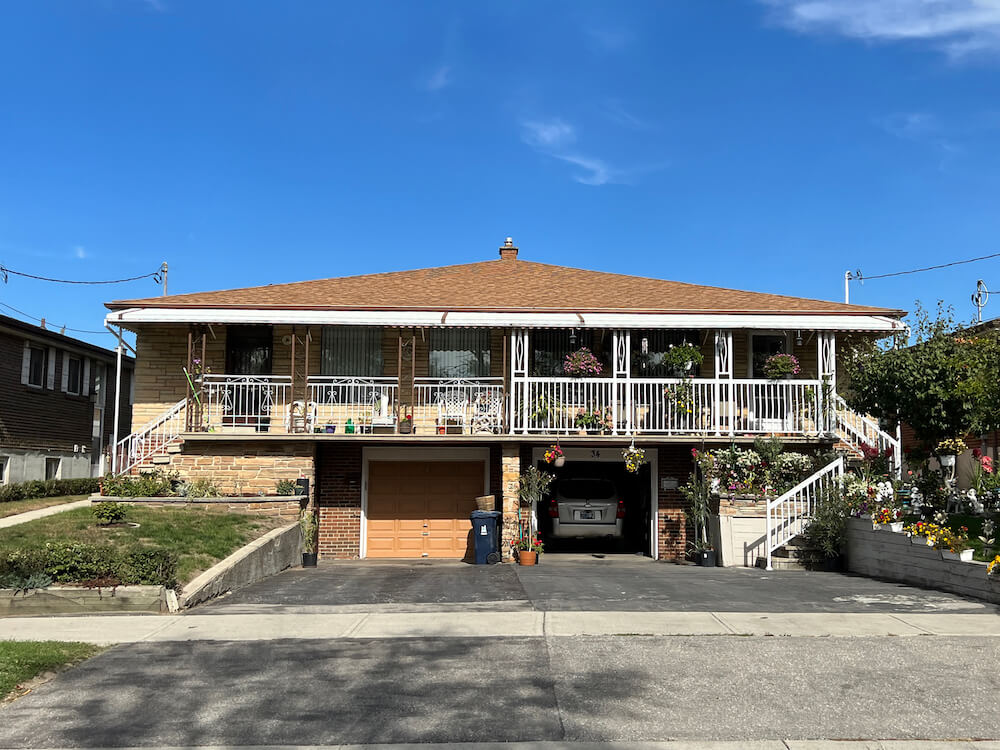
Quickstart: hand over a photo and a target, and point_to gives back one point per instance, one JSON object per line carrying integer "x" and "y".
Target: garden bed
{"x": 891, "y": 556}
{"x": 197, "y": 536}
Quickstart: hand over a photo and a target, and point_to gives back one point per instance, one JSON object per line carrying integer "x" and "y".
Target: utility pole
{"x": 163, "y": 277}
{"x": 848, "y": 278}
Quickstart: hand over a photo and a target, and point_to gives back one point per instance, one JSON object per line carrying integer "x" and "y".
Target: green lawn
{"x": 22, "y": 660}
{"x": 23, "y": 506}
{"x": 199, "y": 536}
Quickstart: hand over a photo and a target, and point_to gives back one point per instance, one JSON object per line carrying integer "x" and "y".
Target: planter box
{"x": 920, "y": 541}
{"x": 895, "y": 526}
{"x": 965, "y": 555}
{"x": 61, "y": 600}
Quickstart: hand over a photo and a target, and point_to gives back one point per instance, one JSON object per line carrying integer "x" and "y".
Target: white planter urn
{"x": 559, "y": 462}
{"x": 948, "y": 460}
{"x": 964, "y": 556}
{"x": 896, "y": 526}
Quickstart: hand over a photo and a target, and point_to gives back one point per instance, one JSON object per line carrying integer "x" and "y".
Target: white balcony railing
{"x": 669, "y": 406}
{"x": 247, "y": 402}
{"x": 472, "y": 405}
{"x": 347, "y": 404}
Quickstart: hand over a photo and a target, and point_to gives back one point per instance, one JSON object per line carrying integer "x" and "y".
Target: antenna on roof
{"x": 980, "y": 298}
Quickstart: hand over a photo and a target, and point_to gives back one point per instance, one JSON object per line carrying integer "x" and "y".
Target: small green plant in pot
{"x": 285, "y": 487}
{"x": 309, "y": 525}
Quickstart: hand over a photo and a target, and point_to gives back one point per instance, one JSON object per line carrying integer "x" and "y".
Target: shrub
{"x": 149, "y": 484}
{"x": 109, "y": 512}
{"x": 826, "y": 534}
{"x": 203, "y": 488}
{"x": 80, "y": 563}
{"x": 286, "y": 487}
{"x": 49, "y": 488}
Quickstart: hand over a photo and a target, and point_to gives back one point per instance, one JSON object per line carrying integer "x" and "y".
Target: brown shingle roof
{"x": 501, "y": 285}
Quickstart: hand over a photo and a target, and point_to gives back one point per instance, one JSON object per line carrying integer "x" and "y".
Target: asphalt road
{"x": 313, "y": 692}
{"x": 580, "y": 583}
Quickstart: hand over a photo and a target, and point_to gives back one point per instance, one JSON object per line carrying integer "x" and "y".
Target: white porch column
{"x": 518, "y": 381}
{"x": 722, "y": 391}
{"x": 826, "y": 358}
{"x": 621, "y": 386}
{"x": 118, "y": 406}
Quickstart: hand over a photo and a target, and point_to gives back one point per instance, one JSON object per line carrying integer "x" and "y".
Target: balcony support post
{"x": 826, "y": 357}
{"x": 519, "y": 381}
{"x": 620, "y": 385}
{"x": 722, "y": 387}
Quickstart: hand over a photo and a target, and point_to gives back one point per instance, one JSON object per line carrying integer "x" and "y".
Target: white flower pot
{"x": 920, "y": 541}
{"x": 560, "y": 461}
{"x": 896, "y": 526}
{"x": 947, "y": 461}
{"x": 965, "y": 555}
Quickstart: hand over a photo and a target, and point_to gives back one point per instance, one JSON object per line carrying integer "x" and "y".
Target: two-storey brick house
{"x": 57, "y": 403}
{"x": 404, "y": 395}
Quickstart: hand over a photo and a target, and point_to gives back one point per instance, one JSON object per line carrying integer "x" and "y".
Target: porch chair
{"x": 453, "y": 406}
{"x": 382, "y": 415}
{"x": 487, "y": 413}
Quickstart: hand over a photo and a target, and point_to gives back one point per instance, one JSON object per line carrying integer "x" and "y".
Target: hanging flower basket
{"x": 634, "y": 459}
{"x": 555, "y": 456}
{"x": 582, "y": 364}
{"x": 780, "y": 366}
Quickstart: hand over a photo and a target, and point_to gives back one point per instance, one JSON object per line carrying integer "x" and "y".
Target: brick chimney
{"x": 508, "y": 251}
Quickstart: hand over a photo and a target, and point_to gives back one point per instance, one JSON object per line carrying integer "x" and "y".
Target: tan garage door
{"x": 421, "y": 508}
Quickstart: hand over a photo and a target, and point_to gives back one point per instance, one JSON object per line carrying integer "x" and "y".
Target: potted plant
{"x": 887, "y": 518}
{"x": 680, "y": 359}
{"x": 781, "y": 366}
{"x": 947, "y": 450}
{"x": 585, "y": 421}
{"x": 634, "y": 459}
{"x": 307, "y": 521}
{"x": 406, "y": 424}
{"x": 954, "y": 545}
{"x": 555, "y": 456}
{"x": 528, "y": 550}
{"x": 582, "y": 364}
{"x": 697, "y": 491}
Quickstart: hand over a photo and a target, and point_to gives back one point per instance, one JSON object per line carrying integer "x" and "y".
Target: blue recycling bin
{"x": 485, "y": 536}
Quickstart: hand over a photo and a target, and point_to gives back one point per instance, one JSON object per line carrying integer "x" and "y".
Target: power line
{"x": 4, "y": 271}
{"x": 860, "y": 276}
{"x": 39, "y": 320}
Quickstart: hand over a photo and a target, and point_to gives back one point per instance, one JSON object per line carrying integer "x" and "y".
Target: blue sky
{"x": 758, "y": 144}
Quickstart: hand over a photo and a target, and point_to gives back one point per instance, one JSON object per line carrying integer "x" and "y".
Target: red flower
{"x": 976, "y": 453}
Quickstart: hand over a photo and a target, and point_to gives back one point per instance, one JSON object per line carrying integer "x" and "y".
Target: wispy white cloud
{"x": 555, "y": 138}
{"x": 156, "y": 5}
{"x": 547, "y": 134}
{"x": 80, "y": 252}
{"x": 615, "y": 111}
{"x": 959, "y": 27}
{"x": 440, "y": 78}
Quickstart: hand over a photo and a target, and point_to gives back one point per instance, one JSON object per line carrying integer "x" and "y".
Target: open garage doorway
{"x": 595, "y": 506}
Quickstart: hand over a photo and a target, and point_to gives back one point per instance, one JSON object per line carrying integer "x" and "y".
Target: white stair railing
{"x": 153, "y": 438}
{"x": 789, "y": 514}
{"x": 857, "y": 430}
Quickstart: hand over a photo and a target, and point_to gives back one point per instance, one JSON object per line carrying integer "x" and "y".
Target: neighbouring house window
{"x": 74, "y": 379}
{"x": 459, "y": 353}
{"x": 351, "y": 351}
{"x": 763, "y": 346}
{"x": 4, "y": 461}
{"x": 52, "y": 466}
{"x": 36, "y": 366}
{"x": 649, "y": 349}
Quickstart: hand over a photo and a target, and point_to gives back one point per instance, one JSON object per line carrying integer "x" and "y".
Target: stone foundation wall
{"x": 338, "y": 495}
{"x": 672, "y": 461}
{"x": 510, "y": 473}
{"x": 257, "y": 506}
{"x": 243, "y": 469}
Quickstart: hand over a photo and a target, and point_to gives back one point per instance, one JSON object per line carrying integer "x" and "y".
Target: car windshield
{"x": 586, "y": 489}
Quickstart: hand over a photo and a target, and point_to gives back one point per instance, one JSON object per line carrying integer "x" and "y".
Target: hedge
{"x": 83, "y": 563}
{"x": 48, "y": 488}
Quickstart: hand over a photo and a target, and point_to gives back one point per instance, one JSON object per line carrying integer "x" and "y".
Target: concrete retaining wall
{"x": 60, "y": 600}
{"x": 272, "y": 553}
{"x": 739, "y": 539}
{"x": 891, "y": 556}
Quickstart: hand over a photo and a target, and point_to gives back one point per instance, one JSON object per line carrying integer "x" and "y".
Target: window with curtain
{"x": 649, "y": 347}
{"x": 351, "y": 351}
{"x": 459, "y": 353}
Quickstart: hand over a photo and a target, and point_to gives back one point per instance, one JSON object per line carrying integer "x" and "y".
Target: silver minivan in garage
{"x": 586, "y": 508}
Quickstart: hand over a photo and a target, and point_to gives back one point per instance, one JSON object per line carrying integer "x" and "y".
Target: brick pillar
{"x": 672, "y": 461}
{"x": 510, "y": 463}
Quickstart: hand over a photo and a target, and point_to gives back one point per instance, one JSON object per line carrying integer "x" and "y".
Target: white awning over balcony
{"x": 465, "y": 319}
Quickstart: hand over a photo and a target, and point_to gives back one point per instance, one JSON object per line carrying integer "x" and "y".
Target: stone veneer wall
{"x": 510, "y": 473}
{"x": 338, "y": 495}
{"x": 243, "y": 469}
{"x": 672, "y": 461}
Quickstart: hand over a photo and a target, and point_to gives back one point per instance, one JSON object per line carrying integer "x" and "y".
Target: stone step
{"x": 174, "y": 448}
{"x": 160, "y": 460}
{"x": 781, "y": 563}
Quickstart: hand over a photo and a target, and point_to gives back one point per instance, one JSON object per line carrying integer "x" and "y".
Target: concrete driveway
{"x": 577, "y": 583}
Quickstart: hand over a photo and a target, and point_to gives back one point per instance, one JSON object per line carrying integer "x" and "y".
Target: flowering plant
{"x": 593, "y": 418}
{"x": 993, "y": 569}
{"x": 950, "y": 446}
{"x": 682, "y": 357}
{"x": 681, "y": 396}
{"x": 582, "y": 363}
{"x": 886, "y": 515}
{"x": 530, "y": 544}
{"x": 780, "y": 365}
{"x": 634, "y": 459}
{"x": 553, "y": 453}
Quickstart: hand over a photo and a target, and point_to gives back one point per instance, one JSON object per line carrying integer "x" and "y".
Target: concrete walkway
{"x": 33, "y": 515}
{"x": 112, "y": 629}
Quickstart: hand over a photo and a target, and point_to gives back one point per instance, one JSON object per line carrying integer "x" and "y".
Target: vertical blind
{"x": 351, "y": 351}
{"x": 459, "y": 353}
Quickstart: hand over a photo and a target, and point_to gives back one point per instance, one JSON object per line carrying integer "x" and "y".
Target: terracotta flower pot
{"x": 527, "y": 557}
